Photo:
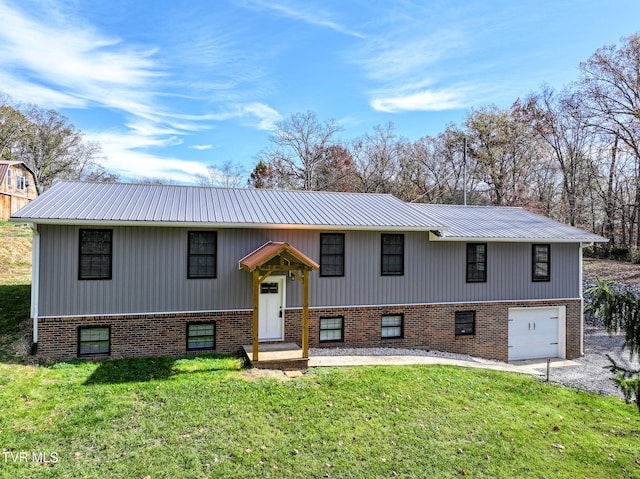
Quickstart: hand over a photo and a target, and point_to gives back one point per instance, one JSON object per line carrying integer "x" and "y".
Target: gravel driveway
{"x": 593, "y": 374}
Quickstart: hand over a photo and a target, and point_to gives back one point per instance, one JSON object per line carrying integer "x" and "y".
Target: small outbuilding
{"x": 17, "y": 187}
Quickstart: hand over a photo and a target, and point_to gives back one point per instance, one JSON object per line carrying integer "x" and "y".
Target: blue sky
{"x": 168, "y": 87}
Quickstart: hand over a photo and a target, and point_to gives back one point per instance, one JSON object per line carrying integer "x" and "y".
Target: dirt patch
{"x": 255, "y": 373}
{"x": 620, "y": 271}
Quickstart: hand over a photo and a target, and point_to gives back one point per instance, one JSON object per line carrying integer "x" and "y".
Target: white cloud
{"x": 257, "y": 115}
{"x": 127, "y": 158}
{"x": 40, "y": 95}
{"x": 201, "y": 147}
{"x": 425, "y": 100}
{"x": 407, "y": 56}
{"x": 311, "y": 15}
{"x": 59, "y": 60}
{"x": 267, "y": 116}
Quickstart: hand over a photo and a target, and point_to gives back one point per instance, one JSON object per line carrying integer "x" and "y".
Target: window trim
{"x": 320, "y": 329}
{"x": 204, "y": 348}
{"x": 324, "y": 274}
{"x": 543, "y": 279}
{"x": 191, "y": 275}
{"x": 9, "y": 176}
{"x": 473, "y": 323}
{"x": 81, "y": 255}
{"x": 82, "y": 328}
{"x": 469, "y": 263}
{"x": 382, "y": 327}
{"x": 383, "y": 254}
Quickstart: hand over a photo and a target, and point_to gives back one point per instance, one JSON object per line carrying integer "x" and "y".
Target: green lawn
{"x": 15, "y": 279}
{"x": 201, "y": 417}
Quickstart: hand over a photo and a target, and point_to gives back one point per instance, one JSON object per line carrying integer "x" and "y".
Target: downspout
{"x": 581, "y": 303}
{"x": 35, "y": 283}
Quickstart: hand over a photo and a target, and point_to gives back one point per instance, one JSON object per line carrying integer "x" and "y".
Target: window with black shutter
{"x": 331, "y": 254}
{"x": 95, "y": 254}
{"x": 541, "y": 259}
{"x": 392, "y": 255}
{"x": 202, "y": 254}
{"x": 476, "y": 263}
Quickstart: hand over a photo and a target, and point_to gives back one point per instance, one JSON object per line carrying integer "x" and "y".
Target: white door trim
{"x": 272, "y": 328}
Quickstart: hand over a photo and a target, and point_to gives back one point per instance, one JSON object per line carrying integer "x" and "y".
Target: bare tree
{"x": 377, "y": 159}
{"x": 228, "y": 175}
{"x": 559, "y": 120}
{"x": 434, "y": 168}
{"x": 336, "y": 171}
{"x": 610, "y": 86}
{"x": 503, "y": 148}
{"x": 298, "y": 147}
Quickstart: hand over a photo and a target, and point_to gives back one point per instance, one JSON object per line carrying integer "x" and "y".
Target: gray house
{"x": 123, "y": 270}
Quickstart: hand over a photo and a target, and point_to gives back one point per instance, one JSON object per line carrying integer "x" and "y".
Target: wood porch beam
{"x": 265, "y": 276}
{"x": 256, "y": 302}
{"x": 305, "y": 314}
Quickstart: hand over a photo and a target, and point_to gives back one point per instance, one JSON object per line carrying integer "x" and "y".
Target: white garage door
{"x": 536, "y": 333}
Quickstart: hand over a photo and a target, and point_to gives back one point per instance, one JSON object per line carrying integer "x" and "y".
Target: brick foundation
{"x": 425, "y": 326}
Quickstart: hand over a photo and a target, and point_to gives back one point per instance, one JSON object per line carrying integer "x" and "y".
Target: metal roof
{"x": 500, "y": 223}
{"x": 4, "y": 167}
{"x": 132, "y": 204}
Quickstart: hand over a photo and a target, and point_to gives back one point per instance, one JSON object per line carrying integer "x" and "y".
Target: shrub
{"x": 619, "y": 252}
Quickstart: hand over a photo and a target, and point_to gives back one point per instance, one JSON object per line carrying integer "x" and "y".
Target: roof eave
{"x": 202, "y": 224}
{"x": 489, "y": 239}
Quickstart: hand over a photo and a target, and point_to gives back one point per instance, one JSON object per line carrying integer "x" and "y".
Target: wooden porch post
{"x": 305, "y": 314}
{"x": 256, "y": 302}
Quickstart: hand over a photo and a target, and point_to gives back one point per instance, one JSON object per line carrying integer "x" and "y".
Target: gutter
{"x": 580, "y": 292}
{"x": 35, "y": 283}
{"x": 228, "y": 225}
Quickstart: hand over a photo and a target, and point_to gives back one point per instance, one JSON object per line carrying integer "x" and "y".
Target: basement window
{"x": 392, "y": 326}
{"x": 94, "y": 341}
{"x": 465, "y": 323}
{"x": 201, "y": 336}
{"x": 331, "y": 329}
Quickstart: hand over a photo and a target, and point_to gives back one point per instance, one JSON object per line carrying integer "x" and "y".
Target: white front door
{"x": 271, "y": 309}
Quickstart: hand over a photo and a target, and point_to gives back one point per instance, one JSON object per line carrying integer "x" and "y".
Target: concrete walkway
{"x": 535, "y": 367}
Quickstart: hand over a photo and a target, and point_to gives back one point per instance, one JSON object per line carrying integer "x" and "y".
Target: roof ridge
{"x": 236, "y": 188}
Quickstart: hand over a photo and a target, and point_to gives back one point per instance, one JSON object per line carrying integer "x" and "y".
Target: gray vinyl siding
{"x": 150, "y": 272}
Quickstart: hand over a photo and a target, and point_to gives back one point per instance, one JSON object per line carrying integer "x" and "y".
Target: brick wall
{"x": 424, "y": 326}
